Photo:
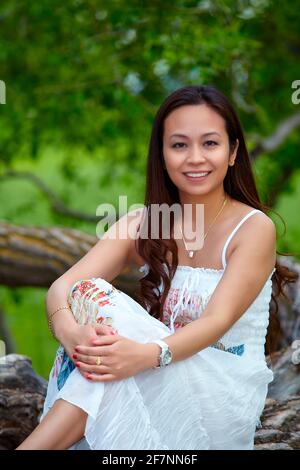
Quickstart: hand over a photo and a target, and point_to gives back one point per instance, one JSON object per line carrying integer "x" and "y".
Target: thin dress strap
{"x": 233, "y": 232}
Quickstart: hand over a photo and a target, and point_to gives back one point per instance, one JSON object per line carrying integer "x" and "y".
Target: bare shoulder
{"x": 258, "y": 220}
{"x": 249, "y": 266}
{"x": 260, "y": 232}
{"x": 256, "y": 230}
{"x": 258, "y": 223}
{"x": 257, "y": 234}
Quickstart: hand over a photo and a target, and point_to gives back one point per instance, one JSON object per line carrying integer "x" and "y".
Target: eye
{"x": 178, "y": 143}
{"x": 211, "y": 143}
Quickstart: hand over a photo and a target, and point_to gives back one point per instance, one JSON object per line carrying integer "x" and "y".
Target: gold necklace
{"x": 192, "y": 252}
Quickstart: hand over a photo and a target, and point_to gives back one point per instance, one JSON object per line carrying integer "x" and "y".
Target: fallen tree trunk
{"x": 289, "y": 309}
{"x": 37, "y": 256}
{"x": 22, "y": 394}
{"x": 281, "y": 417}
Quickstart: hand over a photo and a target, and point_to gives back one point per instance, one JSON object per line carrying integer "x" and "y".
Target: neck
{"x": 212, "y": 203}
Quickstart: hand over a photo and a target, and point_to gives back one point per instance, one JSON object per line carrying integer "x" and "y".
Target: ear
{"x": 233, "y": 155}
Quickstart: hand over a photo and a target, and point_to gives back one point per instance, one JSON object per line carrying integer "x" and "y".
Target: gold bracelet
{"x": 59, "y": 308}
{"x": 50, "y": 319}
{"x": 51, "y": 327}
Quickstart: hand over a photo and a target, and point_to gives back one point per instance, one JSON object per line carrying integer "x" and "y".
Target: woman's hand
{"x": 120, "y": 358}
{"x": 84, "y": 335}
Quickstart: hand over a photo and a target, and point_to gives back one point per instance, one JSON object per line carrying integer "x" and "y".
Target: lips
{"x": 198, "y": 174}
{"x": 194, "y": 178}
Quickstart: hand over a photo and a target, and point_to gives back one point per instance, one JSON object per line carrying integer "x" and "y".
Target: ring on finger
{"x": 98, "y": 361}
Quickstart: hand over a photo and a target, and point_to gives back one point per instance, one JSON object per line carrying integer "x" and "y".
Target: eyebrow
{"x": 203, "y": 135}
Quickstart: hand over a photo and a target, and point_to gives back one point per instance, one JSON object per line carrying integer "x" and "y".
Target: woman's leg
{"x": 64, "y": 423}
{"x": 63, "y": 426}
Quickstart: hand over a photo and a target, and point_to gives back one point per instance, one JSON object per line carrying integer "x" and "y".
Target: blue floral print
{"x": 239, "y": 350}
{"x": 65, "y": 370}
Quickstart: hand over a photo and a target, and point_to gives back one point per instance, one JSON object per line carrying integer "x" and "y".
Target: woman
{"x": 204, "y": 386}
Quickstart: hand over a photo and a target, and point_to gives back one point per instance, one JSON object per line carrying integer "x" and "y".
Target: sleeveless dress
{"x": 211, "y": 400}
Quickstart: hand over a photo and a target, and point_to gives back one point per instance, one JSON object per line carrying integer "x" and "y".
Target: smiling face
{"x": 195, "y": 142}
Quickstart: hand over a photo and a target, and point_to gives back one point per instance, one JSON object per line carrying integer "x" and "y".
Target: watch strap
{"x": 163, "y": 346}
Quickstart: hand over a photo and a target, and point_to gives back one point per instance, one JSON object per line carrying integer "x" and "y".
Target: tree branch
{"x": 37, "y": 256}
{"x": 272, "y": 142}
{"x": 57, "y": 205}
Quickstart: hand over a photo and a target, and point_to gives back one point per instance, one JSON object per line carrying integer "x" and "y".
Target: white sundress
{"x": 211, "y": 400}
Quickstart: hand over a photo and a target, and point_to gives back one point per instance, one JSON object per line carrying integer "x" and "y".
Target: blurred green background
{"x": 83, "y": 82}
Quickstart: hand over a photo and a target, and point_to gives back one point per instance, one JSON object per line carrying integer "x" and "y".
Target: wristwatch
{"x": 165, "y": 356}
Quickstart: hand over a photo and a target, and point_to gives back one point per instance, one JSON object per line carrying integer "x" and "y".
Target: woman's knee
{"x": 85, "y": 288}
{"x": 86, "y": 293}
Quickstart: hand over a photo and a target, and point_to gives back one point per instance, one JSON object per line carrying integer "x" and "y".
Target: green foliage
{"x": 288, "y": 207}
{"x": 25, "y": 317}
{"x": 80, "y": 73}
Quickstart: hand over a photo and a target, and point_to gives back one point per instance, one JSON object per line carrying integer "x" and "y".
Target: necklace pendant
{"x": 191, "y": 254}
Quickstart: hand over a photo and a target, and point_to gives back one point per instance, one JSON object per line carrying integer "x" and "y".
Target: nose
{"x": 196, "y": 155}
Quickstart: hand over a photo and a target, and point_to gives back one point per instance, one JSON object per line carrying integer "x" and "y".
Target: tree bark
{"x": 280, "y": 422}
{"x": 37, "y": 256}
{"x": 22, "y": 395}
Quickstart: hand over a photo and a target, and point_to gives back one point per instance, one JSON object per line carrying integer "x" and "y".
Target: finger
{"x": 106, "y": 340}
{"x": 101, "y": 378}
{"x": 104, "y": 329}
{"x": 92, "y": 360}
{"x": 102, "y": 369}
{"x": 93, "y": 350}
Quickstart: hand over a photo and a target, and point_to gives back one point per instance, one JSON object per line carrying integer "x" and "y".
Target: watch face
{"x": 167, "y": 357}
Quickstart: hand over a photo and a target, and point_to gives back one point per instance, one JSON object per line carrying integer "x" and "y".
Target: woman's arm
{"x": 63, "y": 320}
{"x": 247, "y": 270}
{"x": 106, "y": 259}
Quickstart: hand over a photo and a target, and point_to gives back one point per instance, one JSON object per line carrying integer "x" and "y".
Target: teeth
{"x": 197, "y": 174}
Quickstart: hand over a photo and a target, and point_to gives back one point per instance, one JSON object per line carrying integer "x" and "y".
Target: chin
{"x": 194, "y": 189}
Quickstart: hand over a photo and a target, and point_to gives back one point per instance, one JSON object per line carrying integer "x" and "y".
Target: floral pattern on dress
{"x": 57, "y": 362}
{"x": 62, "y": 367}
{"x": 195, "y": 306}
{"x": 81, "y": 287}
{"x": 239, "y": 350}
{"x": 105, "y": 321}
{"x": 88, "y": 290}
{"x": 192, "y": 311}
{"x": 67, "y": 366}
{"x": 84, "y": 314}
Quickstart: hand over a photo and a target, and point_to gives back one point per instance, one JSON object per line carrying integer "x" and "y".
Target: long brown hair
{"x": 239, "y": 183}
